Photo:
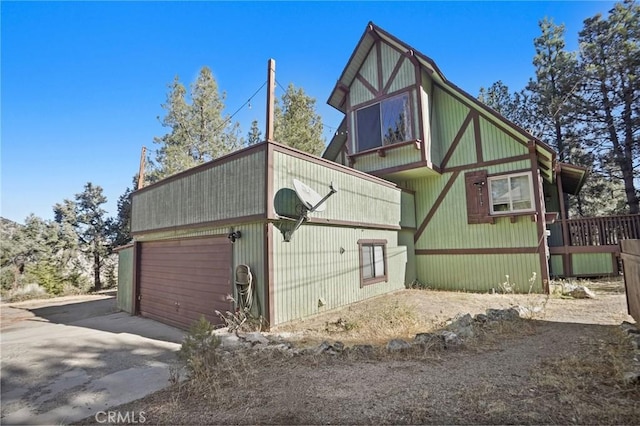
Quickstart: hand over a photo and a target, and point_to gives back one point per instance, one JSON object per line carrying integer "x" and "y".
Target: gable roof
{"x": 372, "y": 33}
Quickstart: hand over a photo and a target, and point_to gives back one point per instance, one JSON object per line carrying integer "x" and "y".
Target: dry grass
{"x": 364, "y": 323}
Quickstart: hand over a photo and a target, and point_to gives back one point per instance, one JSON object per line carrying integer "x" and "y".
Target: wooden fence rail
{"x": 630, "y": 253}
{"x": 602, "y": 231}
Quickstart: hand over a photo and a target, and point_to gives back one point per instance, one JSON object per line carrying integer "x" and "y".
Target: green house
{"x": 424, "y": 184}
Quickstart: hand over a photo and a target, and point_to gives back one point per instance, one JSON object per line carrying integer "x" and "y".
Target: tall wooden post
{"x": 271, "y": 93}
{"x": 143, "y": 157}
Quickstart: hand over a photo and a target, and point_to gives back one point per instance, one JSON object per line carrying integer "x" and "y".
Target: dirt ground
{"x": 563, "y": 366}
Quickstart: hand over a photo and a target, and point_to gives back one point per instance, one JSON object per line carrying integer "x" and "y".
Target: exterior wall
{"x": 248, "y": 250}
{"x": 360, "y": 199}
{"x": 452, "y": 254}
{"x": 397, "y": 156}
{"x": 228, "y": 188}
{"x": 447, "y": 118}
{"x": 125, "y": 280}
{"x": 592, "y": 264}
{"x": 556, "y": 265}
{"x": 320, "y": 266}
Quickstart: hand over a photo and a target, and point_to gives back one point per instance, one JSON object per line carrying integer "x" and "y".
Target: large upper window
{"x": 384, "y": 123}
{"x": 511, "y": 193}
{"x": 373, "y": 261}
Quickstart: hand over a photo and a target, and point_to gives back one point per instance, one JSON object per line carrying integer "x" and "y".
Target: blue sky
{"x": 82, "y": 83}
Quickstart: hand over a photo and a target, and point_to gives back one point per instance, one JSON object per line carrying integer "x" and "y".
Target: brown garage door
{"x": 183, "y": 279}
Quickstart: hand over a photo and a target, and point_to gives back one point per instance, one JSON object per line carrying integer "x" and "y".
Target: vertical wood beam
{"x": 271, "y": 93}
{"x": 566, "y": 258}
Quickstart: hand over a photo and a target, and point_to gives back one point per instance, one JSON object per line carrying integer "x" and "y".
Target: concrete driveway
{"x": 69, "y": 358}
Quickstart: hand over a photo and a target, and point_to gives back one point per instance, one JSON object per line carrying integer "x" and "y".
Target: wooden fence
{"x": 630, "y": 253}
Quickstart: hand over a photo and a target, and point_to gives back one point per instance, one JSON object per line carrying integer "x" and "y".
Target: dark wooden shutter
{"x": 477, "y": 191}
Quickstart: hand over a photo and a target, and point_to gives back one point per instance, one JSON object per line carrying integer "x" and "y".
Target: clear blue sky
{"x": 82, "y": 83}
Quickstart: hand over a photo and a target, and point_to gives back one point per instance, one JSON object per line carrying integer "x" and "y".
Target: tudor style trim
{"x": 456, "y": 140}
{"x": 470, "y": 251}
{"x": 478, "y": 136}
{"x": 436, "y": 205}
{"x": 209, "y": 224}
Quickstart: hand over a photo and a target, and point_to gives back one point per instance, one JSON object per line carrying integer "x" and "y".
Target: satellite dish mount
{"x": 311, "y": 202}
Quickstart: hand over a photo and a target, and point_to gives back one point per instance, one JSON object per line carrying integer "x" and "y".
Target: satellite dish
{"x": 311, "y": 202}
{"x": 308, "y": 196}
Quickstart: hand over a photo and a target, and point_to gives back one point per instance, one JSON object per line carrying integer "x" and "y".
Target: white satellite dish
{"x": 311, "y": 202}
{"x": 308, "y": 196}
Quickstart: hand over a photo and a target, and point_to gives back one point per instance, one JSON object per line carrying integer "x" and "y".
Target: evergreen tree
{"x": 89, "y": 220}
{"x": 255, "y": 135}
{"x": 296, "y": 122}
{"x": 555, "y": 86}
{"x": 198, "y": 131}
{"x": 515, "y": 106}
{"x": 610, "y": 103}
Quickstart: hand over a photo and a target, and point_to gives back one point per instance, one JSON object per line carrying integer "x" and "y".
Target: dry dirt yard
{"x": 565, "y": 365}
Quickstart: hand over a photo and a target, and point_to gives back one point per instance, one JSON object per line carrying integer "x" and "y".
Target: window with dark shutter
{"x": 478, "y": 202}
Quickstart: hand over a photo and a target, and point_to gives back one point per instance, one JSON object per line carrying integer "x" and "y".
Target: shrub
{"x": 198, "y": 350}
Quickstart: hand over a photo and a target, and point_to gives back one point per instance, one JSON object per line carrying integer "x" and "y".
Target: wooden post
{"x": 143, "y": 157}
{"x": 271, "y": 93}
{"x": 566, "y": 257}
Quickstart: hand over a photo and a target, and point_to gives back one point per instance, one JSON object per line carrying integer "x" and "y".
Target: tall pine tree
{"x": 198, "y": 131}
{"x": 296, "y": 122}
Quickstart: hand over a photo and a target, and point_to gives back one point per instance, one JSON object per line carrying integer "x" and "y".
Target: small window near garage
{"x": 373, "y": 261}
{"x": 511, "y": 193}
{"x": 384, "y": 123}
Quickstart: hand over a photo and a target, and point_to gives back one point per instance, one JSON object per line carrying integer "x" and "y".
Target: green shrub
{"x": 198, "y": 350}
{"x": 46, "y": 276}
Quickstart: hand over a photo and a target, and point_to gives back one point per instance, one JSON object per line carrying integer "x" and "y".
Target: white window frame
{"x": 408, "y": 118}
{"x": 511, "y": 209}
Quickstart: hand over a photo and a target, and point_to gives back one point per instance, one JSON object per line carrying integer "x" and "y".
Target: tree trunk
{"x": 97, "y": 284}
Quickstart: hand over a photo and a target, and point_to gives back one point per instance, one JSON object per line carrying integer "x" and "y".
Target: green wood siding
{"x": 359, "y": 93}
{"x": 556, "y": 266}
{"x": 406, "y": 77}
{"x": 390, "y": 57}
{"x": 369, "y": 69}
{"x": 465, "y": 152}
{"x": 400, "y": 156}
{"x": 232, "y": 189}
{"x": 125, "y": 280}
{"x": 448, "y": 228}
{"x": 592, "y": 264}
{"x": 448, "y": 116}
{"x": 408, "y": 210}
{"x": 322, "y": 262}
{"x": 357, "y": 200}
{"x": 248, "y": 250}
{"x": 405, "y": 238}
{"x": 496, "y": 144}
{"x": 479, "y": 273}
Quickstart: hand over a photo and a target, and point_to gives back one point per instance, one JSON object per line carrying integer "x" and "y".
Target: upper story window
{"x": 511, "y": 193}
{"x": 384, "y": 123}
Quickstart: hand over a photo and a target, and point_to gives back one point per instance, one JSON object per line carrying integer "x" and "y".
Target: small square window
{"x": 373, "y": 261}
{"x": 511, "y": 193}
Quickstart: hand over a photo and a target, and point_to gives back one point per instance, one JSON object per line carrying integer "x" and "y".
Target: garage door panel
{"x": 170, "y": 275}
{"x": 180, "y": 280}
{"x": 176, "y": 294}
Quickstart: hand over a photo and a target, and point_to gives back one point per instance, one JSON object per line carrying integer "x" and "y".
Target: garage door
{"x": 180, "y": 280}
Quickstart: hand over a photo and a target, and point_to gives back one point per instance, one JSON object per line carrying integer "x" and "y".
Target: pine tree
{"x": 556, "y": 83}
{"x": 88, "y": 218}
{"x": 198, "y": 131}
{"x": 610, "y": 102}
{"x": 296, "y": 122}
{"x": 255, "y": 135}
